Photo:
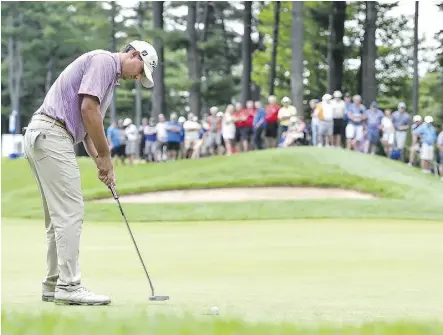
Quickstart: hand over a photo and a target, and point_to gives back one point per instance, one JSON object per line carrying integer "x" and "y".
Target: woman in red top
{"x": 271, "y": 122}
{"x": 239, "y": 118}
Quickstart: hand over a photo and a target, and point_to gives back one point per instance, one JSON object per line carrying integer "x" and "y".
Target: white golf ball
{"x": 214, "y": 310}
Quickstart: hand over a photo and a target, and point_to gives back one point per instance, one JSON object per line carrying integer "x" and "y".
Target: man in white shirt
{"x": 326, "y": 118}
{"x": 162, "y": 137}
{"x": 339, "y": 110}
{"x": 131, "y": 133}
{"x": 192, "y": 130}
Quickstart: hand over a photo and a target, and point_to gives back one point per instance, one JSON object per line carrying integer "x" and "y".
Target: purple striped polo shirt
{"x": 94, "y": 73}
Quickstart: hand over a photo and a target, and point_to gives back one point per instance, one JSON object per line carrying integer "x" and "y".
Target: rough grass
{"x": 403, "y": 192}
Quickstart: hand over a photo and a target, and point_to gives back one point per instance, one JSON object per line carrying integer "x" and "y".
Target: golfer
{"x": 73, "y": 112}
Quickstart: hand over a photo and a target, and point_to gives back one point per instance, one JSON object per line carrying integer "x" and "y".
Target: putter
{"x": 153, "y": 297}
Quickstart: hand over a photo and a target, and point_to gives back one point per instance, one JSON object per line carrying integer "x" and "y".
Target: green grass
{"x": 276, "y": 277}
{"x": 404, "y": 192}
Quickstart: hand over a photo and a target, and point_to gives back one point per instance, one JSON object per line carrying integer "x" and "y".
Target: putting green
{"x": 300, "y": 271}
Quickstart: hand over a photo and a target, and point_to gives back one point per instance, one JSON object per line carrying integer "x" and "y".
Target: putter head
{"x": 159, "y": 298}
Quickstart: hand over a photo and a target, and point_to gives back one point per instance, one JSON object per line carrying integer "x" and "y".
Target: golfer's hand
{"x": 105, "y": 170}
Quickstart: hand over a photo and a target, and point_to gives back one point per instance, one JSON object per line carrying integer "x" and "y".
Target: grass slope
{"x": 300, "y": 277}
{"x": 405, "y": 192}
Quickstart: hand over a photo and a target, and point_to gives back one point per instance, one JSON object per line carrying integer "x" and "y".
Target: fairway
{"x": 304, "y": 271}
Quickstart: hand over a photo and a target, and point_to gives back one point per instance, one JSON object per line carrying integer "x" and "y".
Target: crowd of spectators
{"x": 335, "y": 122}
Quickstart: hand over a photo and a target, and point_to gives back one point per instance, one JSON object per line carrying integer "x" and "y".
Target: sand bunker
{"x": 241, "y": 194}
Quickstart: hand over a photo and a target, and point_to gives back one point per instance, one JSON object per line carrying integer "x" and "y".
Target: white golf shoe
{"x": 80, "y": 296}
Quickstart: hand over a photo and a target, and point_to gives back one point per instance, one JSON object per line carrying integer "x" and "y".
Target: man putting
{"x": 73, "y": 112}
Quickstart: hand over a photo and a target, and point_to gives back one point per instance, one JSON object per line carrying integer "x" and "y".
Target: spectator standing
{"x": 150, "y": 138}
{"x": 123, "y": 140}
{"x": 401, "y": 120}
{"x": 427, "y": 132}
{"x": 415, "y": 149}
{"x": 132, "y": 137}
{"x": 214, "y": 131}
{"x": 373, "y": 123}
{"x": 259, "y": 125}
{"x": 284, "y": 116}
{"x": 173, "y": 132}
{"x": 162, "y": 138}
{"x": 249, "y": 129}
{"x": 339, "y": 111}
{"x": 228, "y": 129}
{"x": 240, "y": 123}
{"x": 271, "y": 122}
{"x": 182, "y": 120}
{"x": 354, "y": 128}
{"x": 192, "y": 129}
{"x": 141, "y": 137}
{"x": 388, "y": 132}
{"x": 326, "y": 121}
{"x": 113, "y": 136}
{"x": 440, "y": 151}
{"x": 314, "y": 121}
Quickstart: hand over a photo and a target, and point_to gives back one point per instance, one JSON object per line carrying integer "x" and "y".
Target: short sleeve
{"x": 98, "y": 77}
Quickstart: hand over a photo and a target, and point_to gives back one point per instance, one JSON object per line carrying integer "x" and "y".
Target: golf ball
{"x": 214, "y": 310}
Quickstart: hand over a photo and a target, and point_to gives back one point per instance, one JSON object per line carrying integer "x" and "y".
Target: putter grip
{"x": 113, "y": 191}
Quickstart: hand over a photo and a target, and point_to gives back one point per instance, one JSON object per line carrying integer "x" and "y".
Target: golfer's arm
{"x": 92, "y": 120}
{"x": 90, "y": 148}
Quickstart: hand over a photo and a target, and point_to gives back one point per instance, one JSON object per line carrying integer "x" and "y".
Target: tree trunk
{"x": 415, "y": 78}
{"x": 226, "y": 47}
{"x": 335, "y": 45}
{"x": 15, "y": 66}
{"x": 246, "y": 54}
{"x": 113, "y": 49}
{"x": 297, "y": 56}
{"x": 158, "y": 94}
{"x": 208, "y": 19}
{"x": 277, "y": 6}
{"x": 370, "y": 79}
{"x": 50, "y": 65}
{"x": 193, "y": 60}
{"x": 339, "y": 50}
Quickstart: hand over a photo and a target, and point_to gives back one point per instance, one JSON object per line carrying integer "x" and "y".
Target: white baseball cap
{"x": 150, "y": 58}
{"x": 326, "y": 97}
{"x": 416, "y": 118}
{"x": 429, "y": 119}
{"x": 127, "y": 122}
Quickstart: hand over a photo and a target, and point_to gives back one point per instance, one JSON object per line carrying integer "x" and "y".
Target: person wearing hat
{"x": 401, "y": 120}
{"x": 284, "y": 115}
{"x": 373, "y": 123}
{"x": 214, "y": 132}
{"x": 354, "y": 128}
{"x": 73, "y": 112}
{"x": 429, "y": 136}
{"x": 415, "y": 149}
{"x": 339, "y": 111}
{"x": 132, "y": 137}
{"x": 326, "y": 121}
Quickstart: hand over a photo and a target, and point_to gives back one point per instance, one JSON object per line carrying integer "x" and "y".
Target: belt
{"x": 47, "y": 118}
{"x": 50, "y": 119}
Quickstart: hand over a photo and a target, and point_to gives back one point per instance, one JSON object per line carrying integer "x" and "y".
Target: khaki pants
{"x": 50, "y": 153}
